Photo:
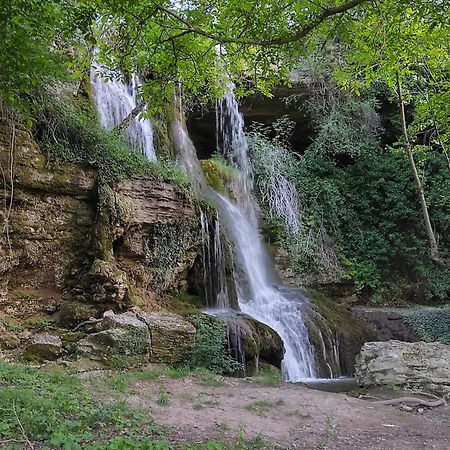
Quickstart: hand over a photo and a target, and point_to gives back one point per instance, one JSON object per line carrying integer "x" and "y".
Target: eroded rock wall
{"x": 72, "y": 244}
{"x": 47, "y": 220}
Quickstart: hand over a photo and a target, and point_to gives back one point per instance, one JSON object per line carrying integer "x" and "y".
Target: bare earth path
{"x": 290, "y": 416}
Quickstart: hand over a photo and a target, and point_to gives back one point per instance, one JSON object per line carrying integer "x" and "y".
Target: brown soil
{"x": 290, "y": 416}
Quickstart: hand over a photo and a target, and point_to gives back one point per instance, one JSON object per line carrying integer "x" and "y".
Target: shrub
{"x": 210, "y": 349}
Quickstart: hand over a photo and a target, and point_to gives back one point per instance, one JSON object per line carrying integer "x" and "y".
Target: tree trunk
{"x": 127, "y": 121}
{"x": 420, "y": 191}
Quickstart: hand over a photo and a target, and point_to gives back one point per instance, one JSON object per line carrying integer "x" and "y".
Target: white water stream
{"x": 258, "y": 294}
{"x": 115, "y": 100}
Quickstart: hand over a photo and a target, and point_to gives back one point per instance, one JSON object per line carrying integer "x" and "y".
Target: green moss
{"x": 218, "y": 174}
{"x": 183, "y": 302}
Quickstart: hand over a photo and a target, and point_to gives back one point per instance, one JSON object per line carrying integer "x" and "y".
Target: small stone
{"x": 420, "y": 410}
{"x": 405, "y": 408}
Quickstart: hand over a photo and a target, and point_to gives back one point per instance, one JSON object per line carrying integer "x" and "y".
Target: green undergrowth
{"x": 69, "y": 133}
{"x": 267, "y": 376}
{"x": 210, "y": 350}
{"x": 59, "y": 412}
{"x": 431, "y": 325}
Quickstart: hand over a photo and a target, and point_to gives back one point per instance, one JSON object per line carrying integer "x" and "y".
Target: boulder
{"x": 116, "y": 347}
{"x": 250, "y": 341}
{"x": 123, "y": 342}
{"x": 172, "y": 337}
{"x": 44, "y": 347}
{"x": 420, "y": 365}
{"x": 127, "y": 320}
{"x": 72, "y": 313}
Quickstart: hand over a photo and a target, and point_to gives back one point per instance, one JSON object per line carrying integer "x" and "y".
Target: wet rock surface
{"x": 251, "y": 342}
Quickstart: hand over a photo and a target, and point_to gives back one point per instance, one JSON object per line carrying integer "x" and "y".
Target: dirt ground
{"x": 289, "y": 416}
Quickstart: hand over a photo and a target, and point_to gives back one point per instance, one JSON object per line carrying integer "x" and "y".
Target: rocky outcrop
{"x": 421, "y": 365}
{"x": 388, "y": 323}
{"x": 50, "y": 218}
{"x": 131, "y": 339}
{"x": 83, "y": 247}
{"x": 155, "y": 237}
{"x": 44, "y": 347}
{"x": 336, "y": 334}
{"x": 172, "y": 337}
{"x": 251, "y": 342}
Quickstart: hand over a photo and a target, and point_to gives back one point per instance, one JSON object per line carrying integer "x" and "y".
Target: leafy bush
{"x": 68, "y": 134}
{"x": 210, "y": 349}
{"x": 431, "y": 325}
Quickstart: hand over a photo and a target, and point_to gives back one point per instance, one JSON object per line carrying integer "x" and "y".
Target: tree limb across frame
{"x": 275, "y": 41}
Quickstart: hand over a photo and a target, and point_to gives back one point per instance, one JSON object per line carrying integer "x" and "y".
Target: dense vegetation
{"x": 373, "y": 186}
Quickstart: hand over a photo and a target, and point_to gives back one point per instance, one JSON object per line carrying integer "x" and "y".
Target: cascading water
{"x": 214, "y": 265}
{"x": 115, "y": 101}
{"x": 258, "y": 294}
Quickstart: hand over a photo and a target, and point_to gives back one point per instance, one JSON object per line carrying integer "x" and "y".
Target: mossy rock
{"x": 117, "y": 347}
{"x": 336, "y": 332}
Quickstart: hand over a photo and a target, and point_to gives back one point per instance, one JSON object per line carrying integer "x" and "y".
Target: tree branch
{"x": 276, "y": 41}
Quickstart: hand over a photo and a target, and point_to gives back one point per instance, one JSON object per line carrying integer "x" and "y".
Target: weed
{"x": 164, "y": 396}
{"x": 260, "y": 407}
{"x": 40, "y": 324}
{"x": 207, "y": 378}
{"x": 11, "y": 326}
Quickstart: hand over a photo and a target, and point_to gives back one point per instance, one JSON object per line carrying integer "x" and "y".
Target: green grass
{"x": 267, "y": 376}
{"x": 261, "y": 407}
{"x": 123, "y": 381}
{"x": 11, "y": 326}
{"x": 57, "y": 410}
{"x": 40, "y": 324}
{"x": 208, "y": 378}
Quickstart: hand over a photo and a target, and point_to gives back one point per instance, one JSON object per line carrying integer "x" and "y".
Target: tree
{"x": 403, "y": 45}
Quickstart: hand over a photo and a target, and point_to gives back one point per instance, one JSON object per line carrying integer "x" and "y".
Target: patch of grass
{"x": 164, "y": 396}
{"x": 40, "y": 324}
{"x": 257, "y": 443}
{"x": 120, "y": 383}
{"x": 268, "y": 376}
{"x": 57, "y": 411}
{"x": 28, "y": 295}
{"x": 11, "y": 326}
{"x": 208, "y": 378}
{"x": 261, "y": 407}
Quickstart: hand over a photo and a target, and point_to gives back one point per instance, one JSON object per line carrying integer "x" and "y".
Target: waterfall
{"x": 115, "y": 101}
{"x": 258, "y": 294}
{"x": 214, "y": 265}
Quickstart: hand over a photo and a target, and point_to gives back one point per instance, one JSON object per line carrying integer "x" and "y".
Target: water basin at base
{"x": 341, "y": 384}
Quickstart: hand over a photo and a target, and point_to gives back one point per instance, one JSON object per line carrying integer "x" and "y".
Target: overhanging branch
{"x": 276, "y": 41}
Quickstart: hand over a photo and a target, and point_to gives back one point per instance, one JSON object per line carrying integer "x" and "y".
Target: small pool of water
{"x": 341, "y": 384}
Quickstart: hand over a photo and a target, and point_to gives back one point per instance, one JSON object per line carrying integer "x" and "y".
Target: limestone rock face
{"x": 83, "y": 247}
{"x": 44, "y": 347}
{"x": 420, "y": 364}
{"x": 50, "y": 222}
{"x": 172, "y": 337}
{"x": 155, "y": 239}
